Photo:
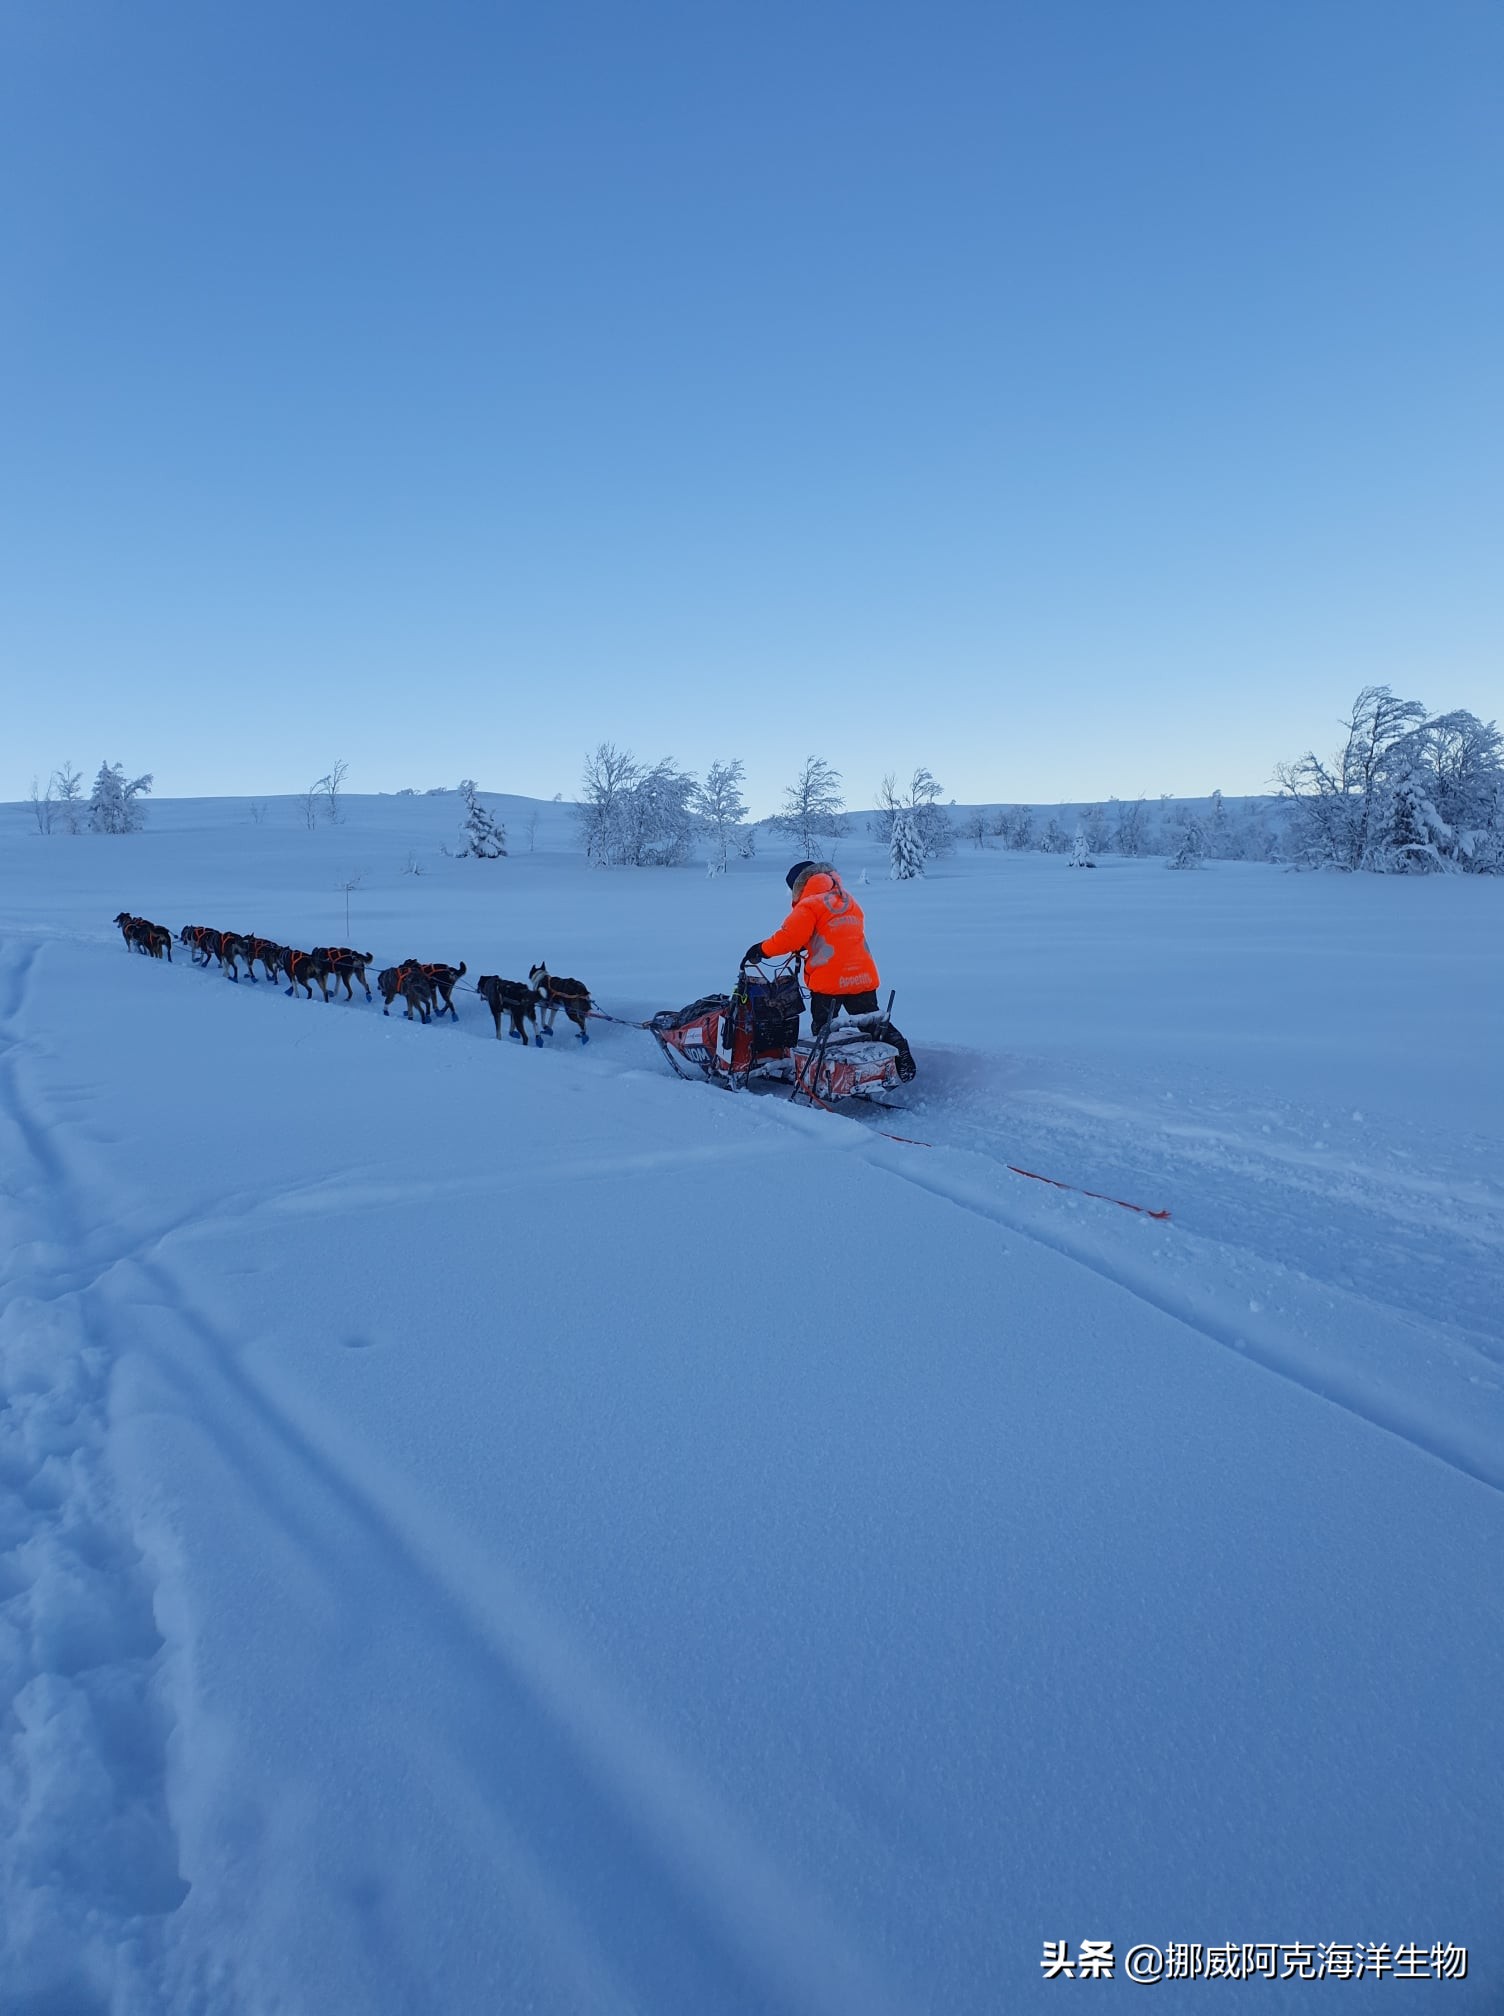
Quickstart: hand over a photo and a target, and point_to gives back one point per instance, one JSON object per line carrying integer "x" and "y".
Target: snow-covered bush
{"x": 1189, "y": 842}
{"x": 114, "y": 808}
{"x": 1080, "y": 852}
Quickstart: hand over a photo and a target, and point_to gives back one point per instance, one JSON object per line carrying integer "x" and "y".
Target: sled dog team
{"x": 427, "y": 987}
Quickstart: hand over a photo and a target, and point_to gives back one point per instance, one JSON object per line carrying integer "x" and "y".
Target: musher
{"x": 826, "y": 924}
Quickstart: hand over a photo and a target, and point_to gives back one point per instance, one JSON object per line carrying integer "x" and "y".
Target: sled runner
{"x": 753, "y": 1032}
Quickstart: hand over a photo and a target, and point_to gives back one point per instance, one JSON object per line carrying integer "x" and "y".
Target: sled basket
{"x": 690, "y": 1037}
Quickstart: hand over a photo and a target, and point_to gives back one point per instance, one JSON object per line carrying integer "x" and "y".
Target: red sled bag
{"x": 690, "y": 1038}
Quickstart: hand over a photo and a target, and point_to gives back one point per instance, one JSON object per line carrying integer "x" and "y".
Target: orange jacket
{"x": 828, "y": 927}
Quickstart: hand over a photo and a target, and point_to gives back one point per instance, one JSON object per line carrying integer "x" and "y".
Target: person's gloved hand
{"x": 753, "y": 953}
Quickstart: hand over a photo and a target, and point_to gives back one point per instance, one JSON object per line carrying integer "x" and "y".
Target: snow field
{"x": 491, "y": 1529}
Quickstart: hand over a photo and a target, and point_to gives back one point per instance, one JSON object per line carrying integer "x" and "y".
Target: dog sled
{"x": 753, "y": 1033}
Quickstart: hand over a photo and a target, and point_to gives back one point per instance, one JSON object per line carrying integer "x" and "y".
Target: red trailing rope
{"x": 1100, "y": 1195}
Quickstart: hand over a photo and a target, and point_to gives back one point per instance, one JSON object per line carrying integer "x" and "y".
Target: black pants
{"x": 823, "y": 1006}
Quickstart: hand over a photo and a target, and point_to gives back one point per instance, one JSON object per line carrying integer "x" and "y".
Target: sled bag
{"x": 776, "y": 1006}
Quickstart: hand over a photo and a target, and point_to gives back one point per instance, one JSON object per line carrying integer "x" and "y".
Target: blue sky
{"x": 1080, "y": 397}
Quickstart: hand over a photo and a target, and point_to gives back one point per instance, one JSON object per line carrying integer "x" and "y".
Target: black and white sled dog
{"x": 573, "y": 996}
{"x": 513, "y": 998}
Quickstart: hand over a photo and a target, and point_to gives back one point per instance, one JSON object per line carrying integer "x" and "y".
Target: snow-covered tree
{"x": 1080, "y": 851}
{"x": 905, "y": 849}
{"x": 485, "y": 836}
{"x": 635, "y": 817}
{"x": 113, "y": 808}
{"x": 1340, "y": 808}
{"x": 976, "y": 826}
{"x": 1416, "y": 831}
{"x": 1129, "y": 838}
{"x": 812, "y": 807}
{"x": 927, "y": 817}
{"x": 720, "y": 808}
{"x": 1094, "y": 825}
{"x": 1054, "y": 840}
{"x": 746, "y": 843}
{"x": 67, "y": 789}
{"x": 1464, "y": 770}
{"x": 1221, "y": 841}
{"x": 657, "y": 819}
{"x": 1187, "y": 842}
{"x": 610, "y": 773}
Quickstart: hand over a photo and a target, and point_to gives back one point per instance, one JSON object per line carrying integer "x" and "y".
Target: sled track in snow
{"x": 1252, "y": 1336}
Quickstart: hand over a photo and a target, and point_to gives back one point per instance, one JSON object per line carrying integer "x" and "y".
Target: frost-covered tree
{"x": 927, "y": 817}
{"x": 1339, "y": 808}
{"x": 1416, "y": 833}
{"x": 632, "y": 816}
{"x": 67, "y": 788}
{"x": 610, "y": 774}
{"x": 1080, "y": 851}
{"x": 1094, "y": 825}
{"x": 1054, "y": 840}
{"x": 1129, "y": 838}
{"x": 1221, "y": 841}
{"x": 905, "y": 848}
{"x": 720, "y": 808}
{"x": 746, "y": 843}
{"x": 1463, "y": 767}
{"x": 114, "y": 808}
{"x": 812, "y": 807}
{"x": 976, "y": 826}
{"x": 657, "y": 818}
{"x": 1188, "y": 842}
{"x": 485, "y": 837}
